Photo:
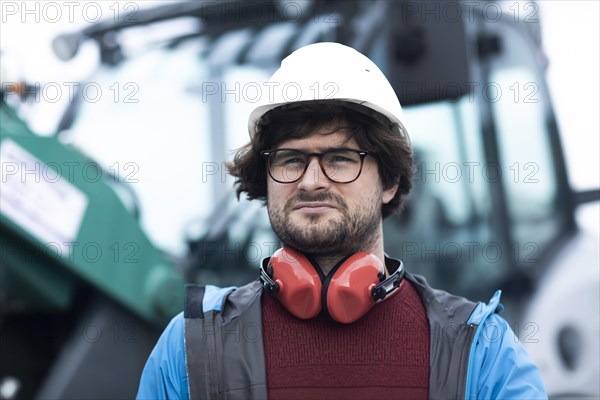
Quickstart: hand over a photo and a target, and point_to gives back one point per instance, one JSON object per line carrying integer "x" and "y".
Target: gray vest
{"x": 225, "y": 356}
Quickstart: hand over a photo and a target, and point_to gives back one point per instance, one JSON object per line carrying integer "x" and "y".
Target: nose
{"x": 314, "y": 178}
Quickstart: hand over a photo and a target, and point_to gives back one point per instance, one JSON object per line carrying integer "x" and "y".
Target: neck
{"x": 327, "y": 261}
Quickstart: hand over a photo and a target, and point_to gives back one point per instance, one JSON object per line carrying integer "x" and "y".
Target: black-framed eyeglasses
{"x": 339, "y": 165}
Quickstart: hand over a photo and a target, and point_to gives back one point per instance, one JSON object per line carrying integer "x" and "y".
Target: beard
{"x": 348, "y": 232}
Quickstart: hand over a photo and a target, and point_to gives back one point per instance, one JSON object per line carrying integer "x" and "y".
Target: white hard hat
{"x": 329, "y": 71}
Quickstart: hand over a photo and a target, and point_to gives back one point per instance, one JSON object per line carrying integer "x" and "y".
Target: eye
{"x": 339, "y": 158}
{"x": 292, "y": 160}
{"x": 287, "y": 158}
{"x": 342, "y": 156}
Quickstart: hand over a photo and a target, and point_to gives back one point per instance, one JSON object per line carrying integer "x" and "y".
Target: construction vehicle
{"x": 103, "y": 222}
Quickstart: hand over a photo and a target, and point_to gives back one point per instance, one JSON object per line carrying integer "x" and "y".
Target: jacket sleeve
{"x": 164, "y": 375}
{"x": 501, "y": 367}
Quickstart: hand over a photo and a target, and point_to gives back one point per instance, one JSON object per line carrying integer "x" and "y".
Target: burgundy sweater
{"x": 383, "y": 355}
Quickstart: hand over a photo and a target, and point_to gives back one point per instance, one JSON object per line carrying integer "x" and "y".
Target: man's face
{"x": 318, "y": 216}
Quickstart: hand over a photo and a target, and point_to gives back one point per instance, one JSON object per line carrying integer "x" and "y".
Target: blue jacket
{"x": 498, "y": 366}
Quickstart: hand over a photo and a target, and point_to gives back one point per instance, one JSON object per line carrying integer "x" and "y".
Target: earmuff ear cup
{"x": 299, "y": 283}
{"x": 349, "y": 293}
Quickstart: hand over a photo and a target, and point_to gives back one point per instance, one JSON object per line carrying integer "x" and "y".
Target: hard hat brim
{"x": 367, "y": 108}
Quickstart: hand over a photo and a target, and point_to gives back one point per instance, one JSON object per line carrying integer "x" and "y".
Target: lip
{"x": 314, "y": 207}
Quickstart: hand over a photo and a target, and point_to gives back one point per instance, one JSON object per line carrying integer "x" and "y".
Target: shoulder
{"x": 442, "y": 308}
{"x": 164, "y": 375}
{"x": 222, "y": 300}
{"x": 499, "y": 365}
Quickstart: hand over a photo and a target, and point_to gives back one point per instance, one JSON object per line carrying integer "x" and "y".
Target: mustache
{"x": 315, "y": 197}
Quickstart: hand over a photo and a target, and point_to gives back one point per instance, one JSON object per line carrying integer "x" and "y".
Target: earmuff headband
{"x": 271, "y": 287}
{"x": 387, "y": 286}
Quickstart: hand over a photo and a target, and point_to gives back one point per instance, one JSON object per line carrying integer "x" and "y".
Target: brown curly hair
{"x": 374, "y": 133}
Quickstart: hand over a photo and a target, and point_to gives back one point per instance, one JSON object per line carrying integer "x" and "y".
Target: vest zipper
{"x": 212, "y": 358}
{"x": 464, "y": 361}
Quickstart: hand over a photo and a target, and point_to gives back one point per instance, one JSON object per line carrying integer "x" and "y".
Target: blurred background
{"x": 117, "y": 117}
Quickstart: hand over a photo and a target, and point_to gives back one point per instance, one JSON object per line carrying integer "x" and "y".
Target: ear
{"x": 389, "y": 193}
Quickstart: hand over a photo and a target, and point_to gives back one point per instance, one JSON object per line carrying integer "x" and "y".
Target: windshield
{"x": 156, "y": 129}
{"x": 174, "y": 116}
{"x": 176, "y": 120}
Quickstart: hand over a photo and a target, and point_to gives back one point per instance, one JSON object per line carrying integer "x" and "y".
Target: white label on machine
{"x": 38, "y": 199}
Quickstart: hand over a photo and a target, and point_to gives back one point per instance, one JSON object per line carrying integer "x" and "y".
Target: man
{"x": 331, "y": 316}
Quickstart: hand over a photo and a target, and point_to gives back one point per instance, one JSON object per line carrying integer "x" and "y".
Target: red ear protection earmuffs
{"x": 348, "y": 292}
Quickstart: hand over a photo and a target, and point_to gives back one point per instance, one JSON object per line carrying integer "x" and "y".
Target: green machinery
{"x": 108, "y": 249}
{"x": 76, "y": 266}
